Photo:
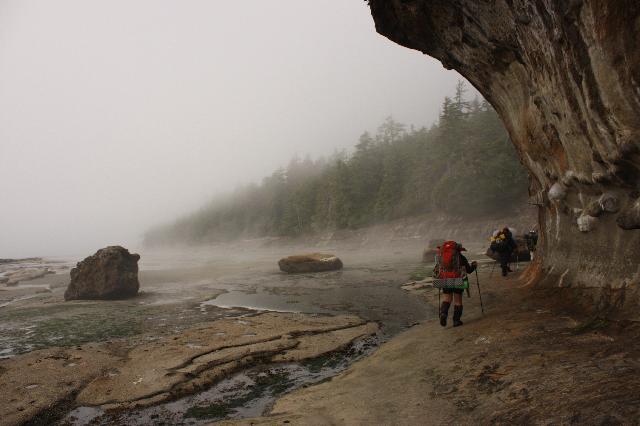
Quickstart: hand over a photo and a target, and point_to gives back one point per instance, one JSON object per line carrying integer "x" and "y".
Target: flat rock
{"x": 39, "y": 380}
{"x": 115, "y": 376}
{"x": 159, "y": 366}
{"x": 316, "y": 345}
{"x": 27, "y": 274}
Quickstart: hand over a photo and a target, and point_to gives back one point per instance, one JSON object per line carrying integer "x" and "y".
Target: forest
{"x": 464, "y": 165}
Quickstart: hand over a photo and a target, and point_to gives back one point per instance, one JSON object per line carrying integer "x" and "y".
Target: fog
{"x": 117, "y": 115}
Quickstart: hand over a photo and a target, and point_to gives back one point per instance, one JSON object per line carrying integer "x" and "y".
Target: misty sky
{"x": 117, "y": 115}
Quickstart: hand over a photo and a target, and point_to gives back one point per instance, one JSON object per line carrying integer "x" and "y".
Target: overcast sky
{"x": 117, "y": 115}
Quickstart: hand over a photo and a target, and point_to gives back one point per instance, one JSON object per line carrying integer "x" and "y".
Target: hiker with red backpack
{"x": 450, "y": 275}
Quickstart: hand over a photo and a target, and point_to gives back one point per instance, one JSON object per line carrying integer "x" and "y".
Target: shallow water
{"x": 176, "y": 296}
{"x": 187, "y": 292}
{"x": 372, "y": 294}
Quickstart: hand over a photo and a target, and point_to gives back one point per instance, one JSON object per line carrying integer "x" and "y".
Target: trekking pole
{"x": 479, "y": 293}
{"x": 493, "y": 267}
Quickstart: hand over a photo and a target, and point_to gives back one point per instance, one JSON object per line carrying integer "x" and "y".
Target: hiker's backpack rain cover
{"x": 449, "y": 260}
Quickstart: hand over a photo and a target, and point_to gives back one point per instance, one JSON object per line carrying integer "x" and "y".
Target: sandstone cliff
{"x": 564, "y": 75}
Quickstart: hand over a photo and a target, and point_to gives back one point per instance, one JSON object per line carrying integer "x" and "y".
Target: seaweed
{"x": 274, "y": 383}
{"x": 330, "y": 360}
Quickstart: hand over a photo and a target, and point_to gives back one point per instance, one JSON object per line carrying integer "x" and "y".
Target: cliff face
{"x": 564, "y": 75}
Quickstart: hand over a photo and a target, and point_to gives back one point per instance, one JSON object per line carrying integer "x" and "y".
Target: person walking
{"x": 452, "y": 264}
{"x": 504, "y": 244}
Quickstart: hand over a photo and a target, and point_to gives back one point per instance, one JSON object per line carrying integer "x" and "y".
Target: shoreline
{"x": 526, "y": 361}
{"x": 52, "y": 338}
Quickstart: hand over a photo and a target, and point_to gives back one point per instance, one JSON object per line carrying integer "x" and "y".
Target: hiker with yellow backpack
{"x": 450, "y": 275}
{"x": 502, "y": 242}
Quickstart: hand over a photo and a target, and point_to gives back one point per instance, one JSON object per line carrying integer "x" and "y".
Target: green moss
{"x": 81, "y": 329}
{"x": 74, "y": 324}
{"x": 22, "y": 314}
{"x": 420, "y": 273}
{"x": 212, "y": 411}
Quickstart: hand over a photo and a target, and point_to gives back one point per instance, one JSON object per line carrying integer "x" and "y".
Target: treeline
{"x": 462, "y": 166}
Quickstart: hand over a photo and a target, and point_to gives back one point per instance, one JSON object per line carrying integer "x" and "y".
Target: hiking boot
{"x": 444, "y": 313}
{"x": 457, "y": 314}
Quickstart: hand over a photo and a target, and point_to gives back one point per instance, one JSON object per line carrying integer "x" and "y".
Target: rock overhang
{"x": 565, "y": 78}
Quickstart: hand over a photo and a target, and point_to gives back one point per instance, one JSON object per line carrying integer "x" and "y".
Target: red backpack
{"x": 448, "y": 260}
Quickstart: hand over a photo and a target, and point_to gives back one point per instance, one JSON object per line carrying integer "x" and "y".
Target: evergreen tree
{"x": 464, "y": 165}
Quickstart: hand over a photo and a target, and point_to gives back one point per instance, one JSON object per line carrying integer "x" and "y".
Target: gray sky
{"x": 117, "y": 115}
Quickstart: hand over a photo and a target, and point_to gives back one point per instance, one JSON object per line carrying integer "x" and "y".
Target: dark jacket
{"x": 511, "y": 242}
{"x": 506, "y": 247}
{"x": 465, "y": 263}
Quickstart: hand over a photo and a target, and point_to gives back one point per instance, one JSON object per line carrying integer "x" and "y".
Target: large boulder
{"x": 315, "y": 262}
{"x": 111, "y": 273}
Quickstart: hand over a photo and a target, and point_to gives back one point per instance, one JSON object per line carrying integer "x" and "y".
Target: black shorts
{"x": 452, "y": 290}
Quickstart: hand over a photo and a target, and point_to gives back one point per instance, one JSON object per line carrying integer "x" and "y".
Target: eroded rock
{"x": 563, "y": 76}
{"x": 557, "y": 192}
{"x": 114, "y": 375}
{"x": 27, "y": 274}
{"x": 586, "y": 223}
{"x": 594, "y": 209}
{"x": 111, "y": 273}
{"x": 630, "y": 217}
{"x": 609, "y": 202}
